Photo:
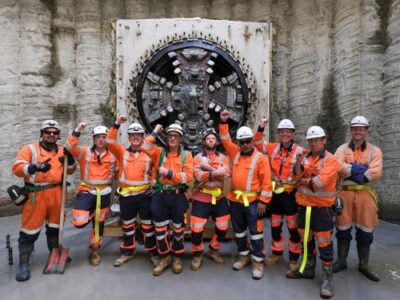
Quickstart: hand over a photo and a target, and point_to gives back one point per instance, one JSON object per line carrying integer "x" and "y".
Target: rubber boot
{"x": 343, "y": 251}
{"x": 308, "y": 272}
{"x": 243, "y": 261}
{"x": 177, "y": 266}
{"x": 326, "y": 286}
{"x": 196, "y": 263}
{"x": 363, "y": 267}
{"x": 215, "y": 256}
{"x": 257, "y": 271}
{"x": 25, "y": 251}
{"x": 164, "y": 263}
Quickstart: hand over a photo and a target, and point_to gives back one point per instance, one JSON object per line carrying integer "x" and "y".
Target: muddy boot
{"x": 154, "y": 259}
{"x": 326, "y": 286}
{"x": 292, "y": 265}
{"x": 363, "y": 267}
{"x": 162, "y": 266}
{"x": 196, "y": 262}
{"x": 124, "y": 258}
{"x": 24, "y": 256}
{"x": 273, "y": 259}
{"x": 308, "y": 272}
{"x": 257, "y": 270}
{"x": 94, "y": 257}
{"x": 177, "y": 266}
{"x": 215, "y": 256}
{"x": 243, "y": 261}
{"x": 343, "y": 251}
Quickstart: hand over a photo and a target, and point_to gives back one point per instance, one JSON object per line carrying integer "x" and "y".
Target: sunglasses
{"x": 245, "y": 142}
{"x": 50, "y": 132}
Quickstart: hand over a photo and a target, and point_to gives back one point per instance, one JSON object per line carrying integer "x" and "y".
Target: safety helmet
{"x": 99, "y": 130}
{"x": 359, "y": 121}
{"x": 209, "y": 131}
{"x": 244, "y": 132}
{"x": 174, "y": 127}
{"x": 135, "y": 128}
{"x": 285, "y": 124}
{"x": 315, "y": 132}
{"x": 50, "y": 124}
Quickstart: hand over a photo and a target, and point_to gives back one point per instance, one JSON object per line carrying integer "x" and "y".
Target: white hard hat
{"x": 244, "y": 132}
{"x": 135, "y": 128}
{"x": 315, "y": 132}
{"x": 99, "y": 130}
{"x": 285, "y": 124}
{"x": 175, "y": 127}
{"x": 50, "y": 124}
{"x": 359, "y": 121}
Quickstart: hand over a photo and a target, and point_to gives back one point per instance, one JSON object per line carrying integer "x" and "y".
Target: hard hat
{"x": 244, "y": 132}
{"x": 315, "y": 132}
{"x": 209, "y": 131}
{"x": 50, "y": 124}
{"x": 174, "y": 127}
{"x": 99, "y": 130}
{"x": 285, "y": 124}
{"x": 135, "y": 128}
{"x": 359, "y": 121}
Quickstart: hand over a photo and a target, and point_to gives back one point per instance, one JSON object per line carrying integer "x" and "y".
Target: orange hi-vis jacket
{"x": 317, "y": 180}
{"x": 203, "y": 165}
{"x": 135, "y": 170}
{"x": 250, "y": 173}
{"x": 281, "y": 160}
{"x": 96, "y": 170}
{"x": 181, "y": 174}
{"x": 368, "y": 154}
{"x": 32, "y": 154}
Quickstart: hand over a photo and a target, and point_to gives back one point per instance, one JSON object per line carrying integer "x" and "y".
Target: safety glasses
{"x": 245, "y": 142}
{"x": 52, "y": 132}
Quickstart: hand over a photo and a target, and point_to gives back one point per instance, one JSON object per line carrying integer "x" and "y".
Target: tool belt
{"x": 360, "y": 187}
{"x": 244, "y": 195}
{"x": 283, "y": 188}
{"x": 175, "y": 188}
{"x": 214, "y": 193}
{"x": 31, "y": 188}
{"x": 124, "y": 191}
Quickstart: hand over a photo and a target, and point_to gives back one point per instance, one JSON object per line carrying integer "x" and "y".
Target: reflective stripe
{"x": 240, "y": 234}
{"x": 85, "y": 175}
{"x": 183, "y": 176}
{"x": 53, "y": 225}
{"x": 81, "y": 218}
{"x": 308, "y": 192}
{"x": 161, "y": 237}
{"x": 322, "y": 239}
{"x": 318, "y": 182}
{"x": 363, "y": 228}
{"x": 161, "y": 224}
{"x": 33, "y": 161}
{"x": 31, "y": 231}
{"x": 245, "y": 252}
{"x": 197, "y": 225}
{"x": 344, "y": 227}
{"x": 176, "y": 225}
{"x": 122, "y": 177}
{"x": 264, "y": 193}
{"x": 148, "y": 234}
{"x": 256, "y": 236}
{"x": 178, "y": 238}
{"x": 132, "y": 232}
{"x": 127, "y": 222}
{"x": 147, "y": 222}
{"x": 111, "y": 141}
{"x": 251, "y": 172}
{"x": 256, "y": 258}
{"x": 221, "y": 224}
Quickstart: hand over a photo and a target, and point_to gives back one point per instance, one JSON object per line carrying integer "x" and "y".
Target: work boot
{"x": 24, "y": 256}
{"x": 273, "y": 259}
{"x": 124, "y": 258}
{"x": 292, "y": 265}
{"x": 326, "y": 286}
{"x": 257, "y": 270}
{"x": 154, "y": 259}
{"x": 363, "y": 267}
{"x": 308, "y": 272}
{"x": 243, "y": 261}
{"x": 343, "y": 251}
{"x": 177, "y": 266}
{"x": 163, "y": 264}
{"x": 196, "y": 263}
{"x": 94, "y": 257}
{"x": 215, "y": 256}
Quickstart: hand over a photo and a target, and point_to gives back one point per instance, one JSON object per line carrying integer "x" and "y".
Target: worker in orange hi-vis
{"x": 282, "y": 157}
{"x": 210, "y": 169}
{"x": 360, "y": 166}
{"x": 316, "y": 174}
{"x": 249, "y": 197}
{"x": 41, "y": 166}
{"x": 135, "y": 178}
{"x": 174, "y": 171}
{"x": 98, "y": 167}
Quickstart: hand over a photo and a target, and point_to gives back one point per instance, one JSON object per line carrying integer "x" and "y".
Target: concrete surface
{"x": 135, "y": 280}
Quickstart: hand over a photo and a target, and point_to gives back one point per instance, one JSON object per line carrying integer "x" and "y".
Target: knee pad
{"x": 364, "y": 238}
{"x": 343, "y": 235}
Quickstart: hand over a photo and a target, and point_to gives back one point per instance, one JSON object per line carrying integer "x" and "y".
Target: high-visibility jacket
{"x": 34, "y": 153}
{"x": 96, "y": 170}
{"x": 317, "y": 180}
{"x": 368, "y": 154}
{"x": 281, "y": 160}
{"x": 250, "y": 173}
{"x": 135, "y": 168}
{"x": 203, "y": 165}
{"x": 182, "y": 169}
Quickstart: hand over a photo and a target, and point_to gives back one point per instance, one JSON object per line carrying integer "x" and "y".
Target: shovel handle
{"x": 63, "y": 196}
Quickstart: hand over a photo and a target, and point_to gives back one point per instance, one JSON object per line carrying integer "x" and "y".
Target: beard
{"x": 207, "y": 147}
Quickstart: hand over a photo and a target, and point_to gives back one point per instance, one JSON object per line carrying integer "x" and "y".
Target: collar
{"x": 321, "y": 153}
{"x": 134, "y": 151}
{"x": 247, "y": 154}
{"x": 288, "y": 148}
{"x": 48, "y": 146}
{"x": 204, "y": 153}
{"x": 353, "y": 146}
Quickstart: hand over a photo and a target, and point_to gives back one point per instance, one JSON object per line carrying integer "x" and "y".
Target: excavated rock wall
{"x": 332, "y": 60}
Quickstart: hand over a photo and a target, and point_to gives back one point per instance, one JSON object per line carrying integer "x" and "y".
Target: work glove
{"x": 359, "y": 178}
{"x": 358, "y": 169}
{"x": 70, "y": 158}
{"x": 39, "y": 167}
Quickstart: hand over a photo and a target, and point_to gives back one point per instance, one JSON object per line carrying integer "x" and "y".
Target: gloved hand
{"x": 70, "y": 158}
{"x": 39, "y": 167}
{"x": 358, "y": 169}
{"x": 359, "y": 178}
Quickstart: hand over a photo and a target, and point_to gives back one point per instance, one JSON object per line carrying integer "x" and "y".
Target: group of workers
{"x": 281, "y": 179}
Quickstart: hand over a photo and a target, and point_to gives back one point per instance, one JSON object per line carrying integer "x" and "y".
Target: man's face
{"x": 286, "y": 135}
{"x": 246, "y": 145}
{"x": 136, "y": 139}
{"x": 99, "y": 140}
{"x": 50, "y": 135}
{"x": 173, "y": 139}
{"x": 316, "y": 145}
{"x": 211, "y": 141}
{"x": 359, "y": 134}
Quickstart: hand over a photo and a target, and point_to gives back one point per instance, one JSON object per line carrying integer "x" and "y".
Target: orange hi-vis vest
{"x": 320, "y": 172}
{"x": 96, "y": 170}
{"x": 34, "y": 153}
{"x": 208, "y": 188}
{"x": 181, "y": 174}
{"x": 251, "y": 174}
{"x": 135, "y": 168}
{"x": 281, "y": 160}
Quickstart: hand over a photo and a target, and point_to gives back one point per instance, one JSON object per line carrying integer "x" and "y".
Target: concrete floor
{"x": 135, "y": 280}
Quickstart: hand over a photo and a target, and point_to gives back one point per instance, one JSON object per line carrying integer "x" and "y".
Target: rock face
{"x": 331, "y": 61}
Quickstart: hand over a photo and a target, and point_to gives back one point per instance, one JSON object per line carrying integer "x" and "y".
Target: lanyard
{"x": 289, "y": 150}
